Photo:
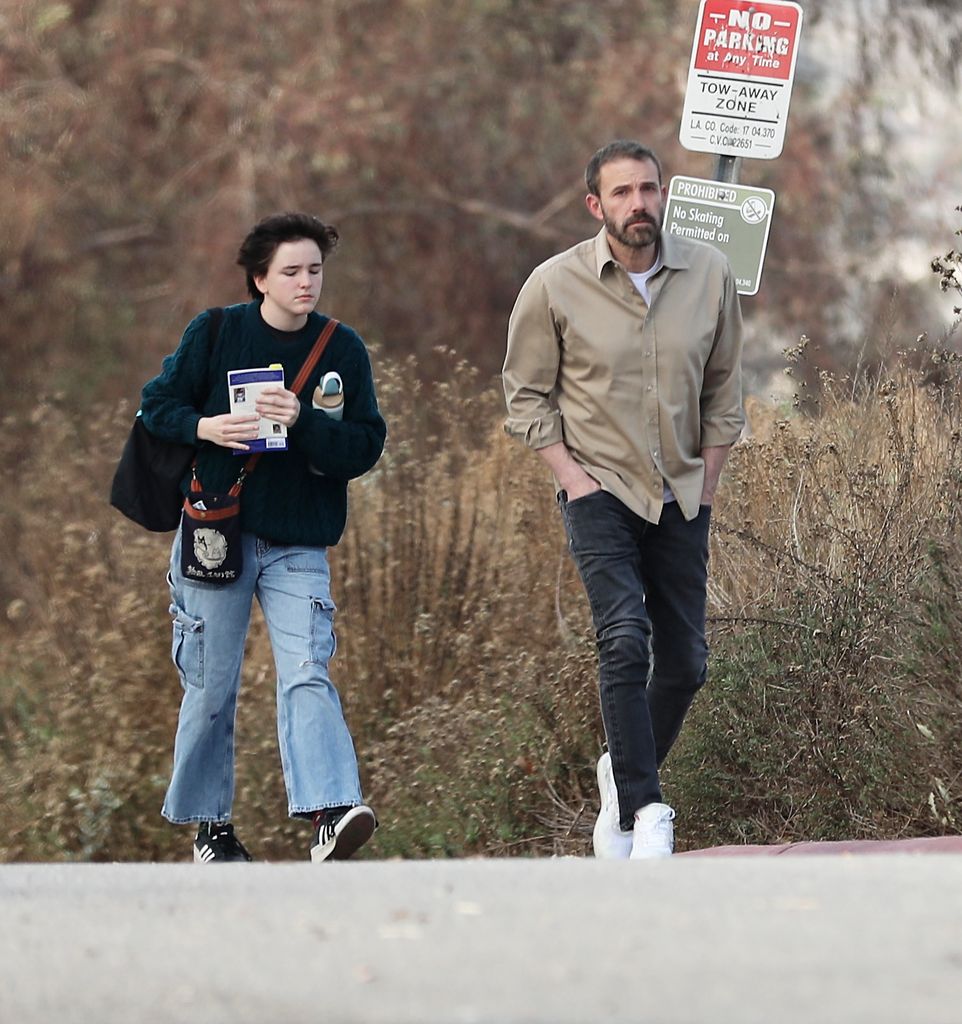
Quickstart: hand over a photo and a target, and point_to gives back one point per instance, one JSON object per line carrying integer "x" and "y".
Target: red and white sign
{"x": 740, "y": 77}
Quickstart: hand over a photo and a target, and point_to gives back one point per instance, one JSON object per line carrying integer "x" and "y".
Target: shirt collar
{"x": 671, "y": 253}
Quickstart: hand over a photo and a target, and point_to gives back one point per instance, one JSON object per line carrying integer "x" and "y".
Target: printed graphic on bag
{"x": 210, "y": 548}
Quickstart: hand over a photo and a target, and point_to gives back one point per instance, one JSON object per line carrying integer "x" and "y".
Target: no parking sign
{"x": 740, "y": 77}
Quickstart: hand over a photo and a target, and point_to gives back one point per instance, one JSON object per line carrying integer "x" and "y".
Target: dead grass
{"x": 466, "y": 663}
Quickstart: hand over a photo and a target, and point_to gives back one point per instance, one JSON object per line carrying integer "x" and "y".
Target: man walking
{"x": 623, "y": 373}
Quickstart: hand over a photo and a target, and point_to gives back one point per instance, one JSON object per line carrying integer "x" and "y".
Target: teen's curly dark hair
{"x": 258, "y": 248}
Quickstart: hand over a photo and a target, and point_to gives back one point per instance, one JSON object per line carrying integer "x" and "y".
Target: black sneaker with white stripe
{"x": 342, "y": 831}
{"x": 216, "y": 843}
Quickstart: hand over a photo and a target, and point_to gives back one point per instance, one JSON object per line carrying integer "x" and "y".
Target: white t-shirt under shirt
{"x": 640, "y": 281}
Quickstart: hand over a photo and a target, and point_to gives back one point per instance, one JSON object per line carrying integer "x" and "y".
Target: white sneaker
{"x": 609, "y": 841}
{"x": 654, "y": 834}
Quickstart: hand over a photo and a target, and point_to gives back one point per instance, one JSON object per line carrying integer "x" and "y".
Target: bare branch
{"x": 532, "y": 224}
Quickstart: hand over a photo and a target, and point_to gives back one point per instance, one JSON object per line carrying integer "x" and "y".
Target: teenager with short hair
{"x": 290, "y": 515}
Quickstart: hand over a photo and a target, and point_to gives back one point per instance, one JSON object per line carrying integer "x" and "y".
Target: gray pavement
{"x": 815, "y": 939}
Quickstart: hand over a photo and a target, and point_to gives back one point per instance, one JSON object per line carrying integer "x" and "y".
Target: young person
{"x": 623, "y": 372}
{"x": 293, "y": 506}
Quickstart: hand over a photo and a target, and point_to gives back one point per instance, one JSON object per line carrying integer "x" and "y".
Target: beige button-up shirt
{"x": 635, "y": 393}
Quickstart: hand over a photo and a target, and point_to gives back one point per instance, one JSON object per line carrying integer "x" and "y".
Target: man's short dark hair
{"x": 620, "y": 149}
{"x": 258, "y": 248}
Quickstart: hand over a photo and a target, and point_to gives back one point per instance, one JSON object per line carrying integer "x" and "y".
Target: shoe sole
{"x": 199, "y": 858}
{"x": 599, "y": 821}
{"x": 351, "y": 833}
{"x": 650, "y": 854}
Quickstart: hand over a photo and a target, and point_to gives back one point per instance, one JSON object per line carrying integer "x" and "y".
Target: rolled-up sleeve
{"x": 722, "y": 417}
{"x": 530, "y": 372}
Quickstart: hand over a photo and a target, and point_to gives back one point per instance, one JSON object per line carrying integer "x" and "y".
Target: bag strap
{"x": 314, "y": 355}
{"x": 215, "y": 316}
{"x": 313, "y": 358}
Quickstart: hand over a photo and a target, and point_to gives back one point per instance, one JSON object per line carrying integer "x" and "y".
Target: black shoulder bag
{"x": 146, "y": 483}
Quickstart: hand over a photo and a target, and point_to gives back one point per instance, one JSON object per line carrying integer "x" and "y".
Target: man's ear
{"x": 594, "y": 206}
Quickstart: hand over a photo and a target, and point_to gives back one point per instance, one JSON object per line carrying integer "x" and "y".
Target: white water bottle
{"x": 329, "y": 395}
{"x": 329, "y": 398}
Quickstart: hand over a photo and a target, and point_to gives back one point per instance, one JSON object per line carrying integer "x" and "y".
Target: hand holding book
{"x": 261, "y": 392}
{"x": 278, "y": 404}
{"x": 229, "y": 431}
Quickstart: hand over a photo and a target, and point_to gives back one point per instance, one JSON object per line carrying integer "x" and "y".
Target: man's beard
{"x": 647, "y": 234}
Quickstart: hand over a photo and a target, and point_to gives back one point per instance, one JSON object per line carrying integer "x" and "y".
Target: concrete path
{"x": 696, "y": 940}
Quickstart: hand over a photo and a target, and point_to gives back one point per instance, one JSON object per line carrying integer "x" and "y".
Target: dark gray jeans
{"x": 646, "y": 584}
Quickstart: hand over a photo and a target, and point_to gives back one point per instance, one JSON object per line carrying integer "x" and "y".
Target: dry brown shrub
{"x": 466, "y": 661}
{"x": 451, "y": 556}
{"x": 819, "y": 720}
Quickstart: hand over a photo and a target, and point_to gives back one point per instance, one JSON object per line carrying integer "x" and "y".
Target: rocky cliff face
{"x": 884, "y": 78}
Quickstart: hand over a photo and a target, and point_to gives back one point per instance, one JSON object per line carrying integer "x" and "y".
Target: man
{"x": 623, "y": 373}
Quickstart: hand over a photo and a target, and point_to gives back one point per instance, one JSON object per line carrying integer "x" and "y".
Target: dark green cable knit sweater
{"x": 282, "y": 500}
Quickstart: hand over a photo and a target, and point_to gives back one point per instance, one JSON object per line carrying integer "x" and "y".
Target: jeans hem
{"x": 307, "y": 812}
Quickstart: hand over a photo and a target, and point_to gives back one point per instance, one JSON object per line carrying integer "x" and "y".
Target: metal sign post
{"x": 727, "y": 167}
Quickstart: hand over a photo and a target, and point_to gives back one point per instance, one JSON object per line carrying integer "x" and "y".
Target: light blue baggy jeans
{"x": 293, "y": 588}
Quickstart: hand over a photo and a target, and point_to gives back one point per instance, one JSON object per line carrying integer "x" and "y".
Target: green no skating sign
{"x": 732, "y": 218}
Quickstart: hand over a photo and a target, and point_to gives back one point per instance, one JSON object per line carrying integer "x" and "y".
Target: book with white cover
{"x": 244, "y": 388}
